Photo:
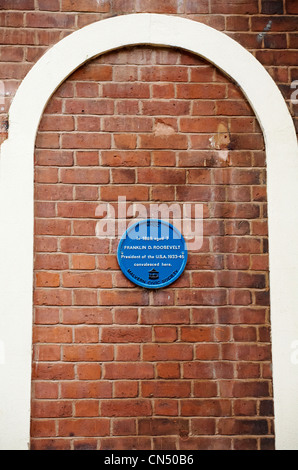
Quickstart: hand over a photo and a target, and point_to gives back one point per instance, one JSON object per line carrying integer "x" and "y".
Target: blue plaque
{"x": 152, "y": 253}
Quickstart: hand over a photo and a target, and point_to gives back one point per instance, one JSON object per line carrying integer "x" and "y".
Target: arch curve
{"x": 17, "y": 214}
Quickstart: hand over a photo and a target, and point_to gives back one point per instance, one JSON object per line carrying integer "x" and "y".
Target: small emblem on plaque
{"x": 153, "y": 274}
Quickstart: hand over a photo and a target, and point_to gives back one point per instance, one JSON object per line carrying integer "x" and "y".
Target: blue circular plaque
{"x": 152, "y": 253}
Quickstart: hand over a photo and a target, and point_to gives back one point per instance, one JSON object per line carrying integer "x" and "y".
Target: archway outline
{"x": 17, "y": 201}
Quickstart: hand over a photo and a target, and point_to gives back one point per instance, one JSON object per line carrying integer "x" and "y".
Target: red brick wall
{"x": 116, "y": 366}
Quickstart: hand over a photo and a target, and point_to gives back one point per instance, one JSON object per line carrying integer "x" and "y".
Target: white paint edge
{"x": 16, "y": 201}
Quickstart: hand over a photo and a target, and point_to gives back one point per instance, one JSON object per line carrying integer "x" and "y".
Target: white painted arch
{"x": 17, "y": 216}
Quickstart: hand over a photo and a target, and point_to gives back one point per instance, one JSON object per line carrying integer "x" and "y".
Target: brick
{"x": 203, "y": 279}
{"x": 166, "y": 389}
{"x": 204, "y": 443}
{"x": 89, "y": 371}
{"x": 44, "y": 279}
{"x": 166, "y": 407}
{"x": 203, "y": 426}
{"x": 194, "y": 125}
{"x": 196, "y": 334}
{"x": 233, "y": 108}
{"x": 127, "y": 124}
{"x": 125, "y": 158}
{"x": 87, "y": 315}
{"x": 161, "y": 176}
{"x": 272, "y": 8}
{"x": 43, "y": 428}
{"x": 88, "y": 353}
{"x": 276, "y": 41}
{"x": 165, "y": 334}
{"x": 84, "y": 427}
{"x": 126, "y": 315}
{"x": 76, "y": 210}
{"x": 240, "y": 279}
{"x": 11, "y": 19}
{"x": 201, "y": 297}
{"x": 11, "y": 54}
{"x": 94, "y": 107}
{"x": 236, "y": 245}
{"x": 207, "y": 351}
{"x": 84, "y": 245}
{"x": 163, "y": 142}
{"x": 164, "y": 74}
{"x": 52, "y": 297}
{"x": 49, "y": 20}
{"x": 53, "y": 192}
{"x": 152, "y": 316}
{"x": 291, "y": 7}
{"x": 248, "y": 370}
{"x": 81, "y": 226}
{"x": 87, "y": 6}
{"x": 246, "y": 352}
{"x": 132, "y": 193}
{"x": 44, "y": 5}
{"x": 92, "y": 280}
{"x": 127, "y": 352}
{"x": 18, "y": 37}
{"x": 163, "y": 90}
{"x": 237, "y": 23}
{"x": 86, "y": 193}
{"x": 193, "y": 91}
{"x": 17, "y": 5}
{"x": 44, "y": 390}
{"x": 85, "y": 297}
{"x": 163, "y": 193}
{"x": 200, "y": 193}
{"x": 117, "y": 298}
{"x": 123, "y": 175}
{"x": 125, "y": 335}
{"x": 47, "y": 140}
{"x": 168, "y": 370}
{"x": 166, "y": 426}
{"x": 125, "y": 141}
{"x": 136, "y": 407}
{"x": 277, "y": 57}
{"x": 53, "y": 158}
{"x": 171, "y": 352}
{"x": 235, "y": 7}
{"x": 50, "y": 409}
{"x": 56, "y": 123}
{"x": 155, "y": 6}
{"x": 205, "y": 389}
{"x": 129, "y": 389}
{"x": 85, "y": 141}
{"x": 52, "y": 227}
{"x": 50, "y": 371}
{"x": 124, "y": 443}
{"x": 83, "y": 262}
{"x": 243, "y": 426}
{"x": 203, "y": 407}
{"x": 86, "y": 390}
{"x": 86, "y": 408}
{"x": 91, "y": 71}
{"x": 46, "y": 175}
{"x": 88, "y": 123}
{"x": 197, "y": 370}
{"x": 166, "y": 108}
{"x": 44, "y": 352}
{"x": 89, "y": 158}
{"x": 127, "y": 90}
{"x": 124, "y": 427}
{"x": 45, "y": 315}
